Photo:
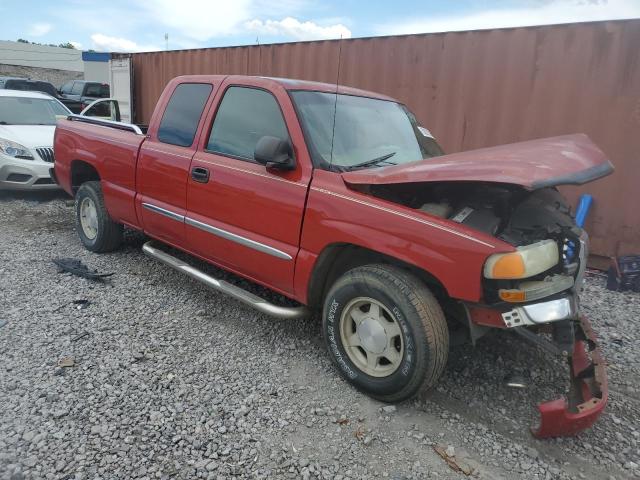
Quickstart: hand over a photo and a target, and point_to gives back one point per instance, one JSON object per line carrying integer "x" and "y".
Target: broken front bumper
{"x": 588, "y": 394}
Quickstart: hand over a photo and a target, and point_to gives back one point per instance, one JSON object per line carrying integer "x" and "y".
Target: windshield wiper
{"x": 371, "y": 163}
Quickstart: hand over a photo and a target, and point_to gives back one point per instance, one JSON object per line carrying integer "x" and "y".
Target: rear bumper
{"x": 589, "y": 392}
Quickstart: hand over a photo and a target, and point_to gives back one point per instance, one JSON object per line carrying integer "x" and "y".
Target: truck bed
{"x": 111, "y": 148}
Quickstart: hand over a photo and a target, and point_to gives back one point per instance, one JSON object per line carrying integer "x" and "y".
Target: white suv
{"x": 27, "y": 123}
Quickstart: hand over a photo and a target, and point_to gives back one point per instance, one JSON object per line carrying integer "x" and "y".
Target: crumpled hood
{"x": 565, "y": 160}
{"x": 31, "y": 136}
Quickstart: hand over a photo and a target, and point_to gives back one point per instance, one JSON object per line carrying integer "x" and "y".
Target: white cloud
{"x": 77, "y": 45}
{"x": 103, "y": 42}
{"x": 293, "y": 28}
{"x": 550, "y": 12}
{"x": 201, "y": 19}
{"x": 39, "y": 29}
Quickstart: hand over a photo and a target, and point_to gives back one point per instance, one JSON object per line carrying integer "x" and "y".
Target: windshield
{"x": 368, "y": 132}
{"x": 30, "y": 111}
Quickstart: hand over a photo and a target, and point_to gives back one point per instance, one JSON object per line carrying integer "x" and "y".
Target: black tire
{"x": 109, "y": 233}
{"x": 422, "y": 323}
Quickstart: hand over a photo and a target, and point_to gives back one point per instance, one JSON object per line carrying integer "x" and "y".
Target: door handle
{"x": 200, "y": 174}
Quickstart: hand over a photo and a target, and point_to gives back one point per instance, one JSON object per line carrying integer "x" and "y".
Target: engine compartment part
{"x": 509, "y": 212}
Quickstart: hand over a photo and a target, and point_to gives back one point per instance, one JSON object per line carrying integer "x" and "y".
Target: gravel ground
{"x": 170, "y": 380}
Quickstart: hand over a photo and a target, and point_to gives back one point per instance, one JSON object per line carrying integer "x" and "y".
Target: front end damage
{"x": 532, "y": 291}
{"x": 588, "y": 394}
{"x": 557, "y": 327}
{"x": 550, "y": 318}
{"x": 509, "y": 192}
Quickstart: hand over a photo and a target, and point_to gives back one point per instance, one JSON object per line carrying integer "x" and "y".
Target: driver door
{"x": 240, "y": 214}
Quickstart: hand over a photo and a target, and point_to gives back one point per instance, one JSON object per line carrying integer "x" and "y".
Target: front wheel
{"x": 97, "y": 231}
{"x": 385, "y": 331}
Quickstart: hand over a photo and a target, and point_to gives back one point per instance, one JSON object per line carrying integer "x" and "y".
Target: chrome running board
{"x": 238, "y": 293}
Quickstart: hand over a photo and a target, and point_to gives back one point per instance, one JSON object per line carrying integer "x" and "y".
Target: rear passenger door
{"x": 240, "y": 214}
{"x": 164, "y": 159}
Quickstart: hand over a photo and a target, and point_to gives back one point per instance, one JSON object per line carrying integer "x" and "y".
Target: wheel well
{"x": 82, "y": 172}
{"x": 337, "y": 259}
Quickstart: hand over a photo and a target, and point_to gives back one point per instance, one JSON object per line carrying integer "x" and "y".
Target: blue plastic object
{"x": 584, "y": 205}
{"x": 581, "y": 216}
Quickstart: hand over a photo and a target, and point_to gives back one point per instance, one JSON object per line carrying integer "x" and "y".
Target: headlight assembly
{"x": 525, "y": 262}
{"x": 15, "y": 150}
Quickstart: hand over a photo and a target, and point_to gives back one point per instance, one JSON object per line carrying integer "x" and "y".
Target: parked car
{"x": 77, "y": 94}
{"x": 29, "y": 85}
{"x": 338, "y": 199}
{"x": 3, "y": 80}
{"x": 27, "y": 125}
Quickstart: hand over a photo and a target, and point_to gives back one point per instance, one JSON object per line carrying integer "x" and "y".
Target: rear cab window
{"x": 97, "y": 90}
{"x": 181, "y": 116}
{"x": 244, "y": 116}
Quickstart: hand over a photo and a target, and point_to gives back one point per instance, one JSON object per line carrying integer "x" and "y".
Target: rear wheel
{"x": 385, "y": 331}
{"x": 97, "y": 231}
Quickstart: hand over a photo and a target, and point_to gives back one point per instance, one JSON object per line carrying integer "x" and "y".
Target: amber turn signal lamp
{"x": 510, "y": 265}
{"x": 512, "y": 295}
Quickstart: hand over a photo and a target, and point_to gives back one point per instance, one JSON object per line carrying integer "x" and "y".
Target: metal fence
{"x": 474, "y": 89}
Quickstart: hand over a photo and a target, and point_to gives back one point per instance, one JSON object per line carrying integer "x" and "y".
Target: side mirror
{"x": 273, "y": 152}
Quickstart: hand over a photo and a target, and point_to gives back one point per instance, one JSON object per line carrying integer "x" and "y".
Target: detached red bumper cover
{"x": 588, "y": 394}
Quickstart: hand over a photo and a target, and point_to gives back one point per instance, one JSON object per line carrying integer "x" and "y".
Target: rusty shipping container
{"x": 474, "y": 89}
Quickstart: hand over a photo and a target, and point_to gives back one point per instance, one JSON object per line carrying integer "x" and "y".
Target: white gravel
{"x": 170, "y": 380}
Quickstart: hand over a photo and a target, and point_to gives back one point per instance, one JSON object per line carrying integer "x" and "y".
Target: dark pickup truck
{"x": 77, "y": 94}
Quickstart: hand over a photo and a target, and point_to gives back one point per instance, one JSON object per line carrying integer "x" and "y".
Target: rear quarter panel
{"x": 112, "y": 152}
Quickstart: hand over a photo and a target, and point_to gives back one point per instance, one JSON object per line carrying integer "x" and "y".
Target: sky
{"x": 141, "y": 25}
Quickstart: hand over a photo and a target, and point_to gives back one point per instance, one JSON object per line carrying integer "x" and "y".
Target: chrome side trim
{"x": 238, "y": 293}
{"x": 404, "y": 215}
{"x": 247, "y": 242}
{"x": 106, "y": 123}
{"x": 163, "y": 211}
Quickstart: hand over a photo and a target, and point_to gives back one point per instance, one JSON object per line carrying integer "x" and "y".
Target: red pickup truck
{"x": 338, "y": 199}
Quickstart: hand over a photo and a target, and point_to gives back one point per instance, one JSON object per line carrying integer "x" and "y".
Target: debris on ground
{"x": 81, "y": 304}
{"x": 76, "y": 267}
{"x": 66, "y": 362}
{"x": 79, "y": 337}
{"x": 449, "y": 456}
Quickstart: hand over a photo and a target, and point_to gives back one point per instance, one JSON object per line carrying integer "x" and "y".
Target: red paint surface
{"x": 523, "y": 163}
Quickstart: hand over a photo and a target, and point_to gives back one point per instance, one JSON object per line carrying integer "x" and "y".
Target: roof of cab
{"x": 23, "y": 93}
{"x": 288, "y": 84}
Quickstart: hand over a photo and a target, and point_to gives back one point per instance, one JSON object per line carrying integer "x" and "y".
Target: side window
{"x": 66, "y": 88}
{"x": 180, "y": 120}
{"x": 245, "y": 115}
{"x": 92, "y": 90}
{"x": 77, "y": 88}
